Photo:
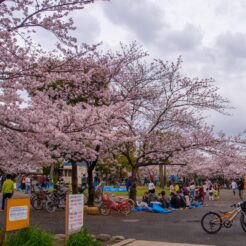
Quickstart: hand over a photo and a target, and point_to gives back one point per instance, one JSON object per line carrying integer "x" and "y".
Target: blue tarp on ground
{"x": 139, "y": 209}
{"x": 195, "y": 205}
{"x": 159, "y": 209}
{"x": 154, "y": 208}
{"x": 112, "y": 189}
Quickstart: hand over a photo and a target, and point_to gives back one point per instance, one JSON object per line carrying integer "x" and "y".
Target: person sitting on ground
{"x": 181, "y": 199}
{"x": 186, "y": 195}
{"x": 145, "y": 197}
{"x": 175, "y": 200}
{"x": 165, "y": 201}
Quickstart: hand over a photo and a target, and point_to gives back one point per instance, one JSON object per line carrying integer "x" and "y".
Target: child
{"x": 201, "y": 195}
{"x": 211, "y": 194}
{"x": 164, "y": 200}
{"x": 192, "y": 189}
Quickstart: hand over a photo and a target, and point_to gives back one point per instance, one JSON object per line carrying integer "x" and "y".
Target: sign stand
{"x": 16, "y": 215}
{"x": 74, "y": 215}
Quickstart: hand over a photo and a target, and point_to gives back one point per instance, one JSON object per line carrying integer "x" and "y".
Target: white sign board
{"x": 75, "y": 213}
{"x": 18, "y": 213}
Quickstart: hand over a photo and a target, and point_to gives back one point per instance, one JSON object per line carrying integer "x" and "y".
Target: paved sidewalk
{"x": 152, "y": 243}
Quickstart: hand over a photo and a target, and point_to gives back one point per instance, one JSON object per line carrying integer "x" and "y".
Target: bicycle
{"x": 56, "y": 199}
{"x": 97, "y": 195}
{"x": 39, "y": 198}
{"x": 121, "y": 206}
{"x": 120, "y": 198}
{"x": 212, "y": 222}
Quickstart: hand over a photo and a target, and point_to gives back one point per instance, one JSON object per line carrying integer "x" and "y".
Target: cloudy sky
{"x": 209, "y": 35}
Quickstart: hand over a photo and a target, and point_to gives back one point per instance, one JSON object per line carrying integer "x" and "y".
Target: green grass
{"x": 31, "y": 236}
{"x": 141, "y": 190}
{"x": 82, "y": 238}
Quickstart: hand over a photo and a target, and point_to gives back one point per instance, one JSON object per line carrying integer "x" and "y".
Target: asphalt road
{"x": 180, "y": 226}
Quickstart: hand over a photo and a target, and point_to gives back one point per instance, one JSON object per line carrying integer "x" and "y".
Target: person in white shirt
{"x": 234, "y": 187}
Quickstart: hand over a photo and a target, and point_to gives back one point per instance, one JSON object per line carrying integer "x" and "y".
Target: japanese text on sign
{"x": 18, "y": 213}
{"x": 75, "y": 212}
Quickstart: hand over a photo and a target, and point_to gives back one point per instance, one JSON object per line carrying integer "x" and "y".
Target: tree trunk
{"x": 161, "y": 177}
{"x": 74, "y": 178}
{"x": 165, "y": 175}
{"x": 52, "y": 168}
{"x": 106, "y": 178}
{"x": 91, "y": 189}
{"x": 133, "y": 187}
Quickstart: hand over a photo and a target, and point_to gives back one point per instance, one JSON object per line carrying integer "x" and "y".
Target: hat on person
{"x": 151, "y": 186}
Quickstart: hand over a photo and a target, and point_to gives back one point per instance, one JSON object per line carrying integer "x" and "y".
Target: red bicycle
{"x": 121, "y": 205}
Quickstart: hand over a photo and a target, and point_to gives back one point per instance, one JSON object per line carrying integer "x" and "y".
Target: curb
{"x": 124, "y": 242}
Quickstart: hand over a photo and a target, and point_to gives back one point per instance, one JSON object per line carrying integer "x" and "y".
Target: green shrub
{"x": 83, "y": 238}
{"x": 29, "y": 237}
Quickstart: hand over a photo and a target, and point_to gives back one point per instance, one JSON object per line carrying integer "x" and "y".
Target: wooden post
{"x": 165, "y": 175}
{"x": 66, "y": 217}
{"x": 161, "y": 178}
{"x": 4, "y": 226}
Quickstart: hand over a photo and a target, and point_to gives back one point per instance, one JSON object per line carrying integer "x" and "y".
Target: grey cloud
{"x": 229, "y": 52}
{"x": 187, "y": 39}
{"x": 233, "y": 44}
{"x": 144, "y": 19}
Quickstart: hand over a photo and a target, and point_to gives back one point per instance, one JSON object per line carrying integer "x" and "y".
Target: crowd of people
{"x": 182, "y": 196}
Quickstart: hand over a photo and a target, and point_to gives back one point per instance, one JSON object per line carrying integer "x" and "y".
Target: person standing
{"x": 234, "y": 187}
{"x": 23, "y": 183}
{"x": 128, "y": 183}
{"x": 96, "y": 180}
{"x": 7, "y": 189}
{"x": 171, "y": 188}
{"x": 28, "y": 184}
{"x": 176, "y": 188}
{"x": 240, "y": 188}
{"x": 83, "y": 182}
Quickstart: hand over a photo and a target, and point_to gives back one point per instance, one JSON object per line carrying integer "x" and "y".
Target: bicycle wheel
{"x": 85, "y": 199}
{"x": 104, "y": 209}
{"x": 37, "y": 203}
{"x": 131, "y": 202}
{"x": 211, "y": 222}
{"x": 50, "y": 206}
{"x": 126, "y": 209}
{"x": 243, "y": 222}
{"x": 98, "y": 199}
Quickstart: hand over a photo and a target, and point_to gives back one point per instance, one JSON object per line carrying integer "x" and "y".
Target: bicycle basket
{"x": 243, "y": 206}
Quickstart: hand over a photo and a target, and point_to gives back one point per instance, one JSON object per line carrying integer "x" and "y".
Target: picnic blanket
{"x": 157, "y": 208}
{"x": 114, "y": 189}
{"x": 153, "y": 208}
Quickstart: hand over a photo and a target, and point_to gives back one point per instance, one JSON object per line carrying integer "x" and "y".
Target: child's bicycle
{"x": 121, "y": 206}
{"x": 212, "y": 222}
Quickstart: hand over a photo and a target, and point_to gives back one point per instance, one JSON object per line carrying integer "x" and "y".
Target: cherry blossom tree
{"x": 226, "y": 159}
{"x": 79, "y": 98}
{"x": 166, "y": 119}
{"x": 25, "y": 67}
